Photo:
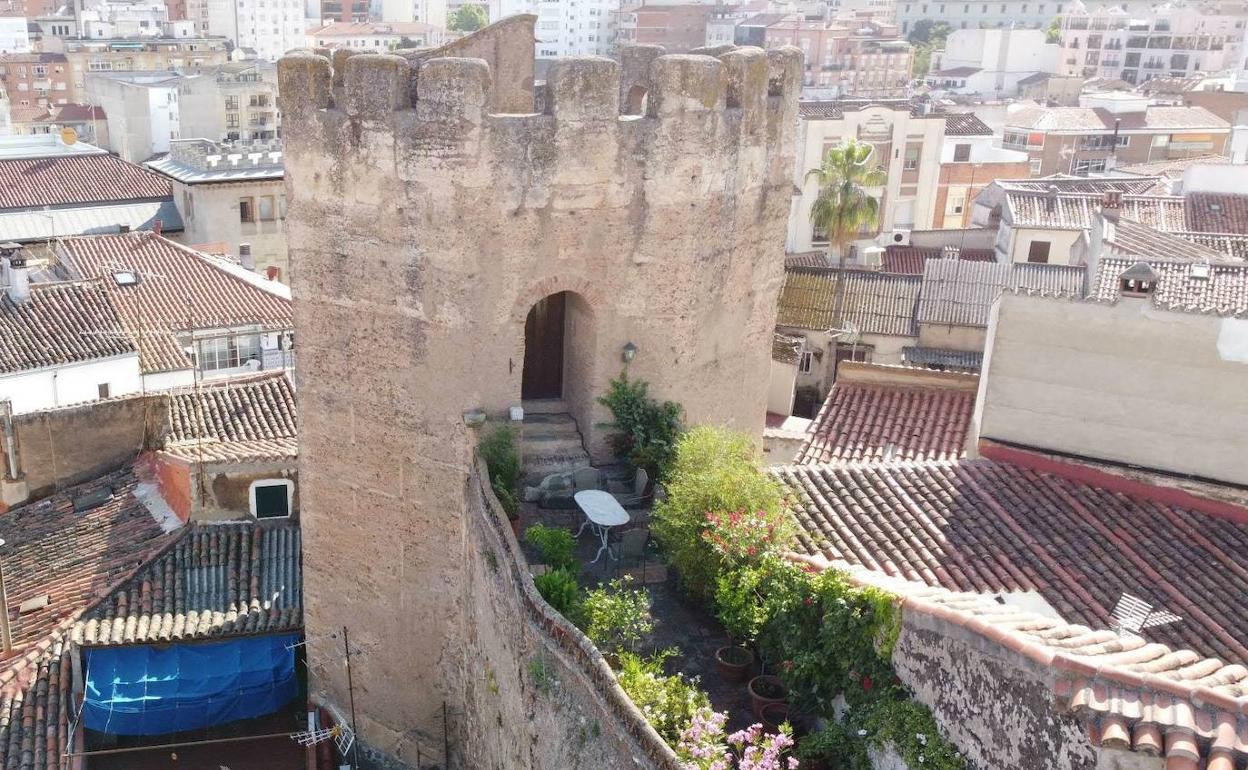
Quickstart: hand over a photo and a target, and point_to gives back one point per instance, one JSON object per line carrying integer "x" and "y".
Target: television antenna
{"x": 340, "y": 734}
{"x": 1132, "y": 615}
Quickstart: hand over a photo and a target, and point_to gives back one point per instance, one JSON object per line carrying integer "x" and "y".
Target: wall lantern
{"x": 630, "y": 352}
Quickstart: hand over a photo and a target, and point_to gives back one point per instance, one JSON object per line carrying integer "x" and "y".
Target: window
{"x": 804, "y": 361}
{"x": 861, "y": 353}
{"x": 1085, "y": 167}
{"x": 266, "y": 208}
{"x": 961, "y": 153}
{"x": 818, "y": 235}
{"x": 1035, "y": 167}
{"x": 246, "y": 210}
{"x": 231, "y": 102}
{"x": 1038, "y": 251}
{"x": 272, "y": 498}
{"x": 912, "y": 159}
{"x": 228, "y": 352}
{"x": 103, "y": 389}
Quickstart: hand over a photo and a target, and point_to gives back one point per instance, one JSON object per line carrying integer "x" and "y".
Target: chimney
{"x": 1050, "y": 198}
{"x": 1111, "y": 200}
{"x": 17, "y": 274}
{"x": 157, "y": 226}
{"x": 244, "y": 256}
{"x": 950, "y": 252}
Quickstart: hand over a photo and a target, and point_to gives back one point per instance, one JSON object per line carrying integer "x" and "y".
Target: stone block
{"x": 583, "y": 89}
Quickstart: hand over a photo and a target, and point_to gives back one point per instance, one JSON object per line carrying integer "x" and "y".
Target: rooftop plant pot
{"x": 734, "y": 662}
{"x": 764, "y": 690}
{"x": 772, "y": 715}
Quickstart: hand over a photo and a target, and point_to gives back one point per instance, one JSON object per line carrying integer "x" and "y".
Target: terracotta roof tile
{"x": 241, "y": 419}
{"x": 1217, "y": 287}
{"x": 1217, "y": 213}
{"x": 909, "y": 260}
{"x": 807, "y": 259}
{"x": 877, "y": 303}
{"x": 31, "y": 182}
{"x": 990, "y": 527}
{"x": 785, "y": 349}
{"x": 217, "y": 580}
{"x": 61, "y": 323}
{"x": 965, "y": 124}
{"x": 862, "y": 421}
{"x": 179, "y": 289}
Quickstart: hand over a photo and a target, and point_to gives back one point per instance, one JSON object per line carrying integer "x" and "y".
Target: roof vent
{"x": 1200, "y": 270}
{"x": 93, "y": 499}
{"x": 1215, "y": 207}
{"x": 33, "y": 605}
{"x": 125, "y": 278}
{"x": 1139, "y": 280}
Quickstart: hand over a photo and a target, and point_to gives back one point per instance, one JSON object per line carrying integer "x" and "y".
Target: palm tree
{"x": 843, "y": 206}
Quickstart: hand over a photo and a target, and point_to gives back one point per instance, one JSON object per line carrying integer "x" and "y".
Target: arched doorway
{"x": 542, "y": 377}
{"x": 635, "y": 104}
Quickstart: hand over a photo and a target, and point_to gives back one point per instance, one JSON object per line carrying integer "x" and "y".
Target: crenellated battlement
{"x": 748, "y": 84}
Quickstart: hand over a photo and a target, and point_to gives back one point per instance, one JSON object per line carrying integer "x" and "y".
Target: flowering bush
{"x": 703, "y": 746}
{"x": 668, "y": 702}
{"x": 742, "y": 537}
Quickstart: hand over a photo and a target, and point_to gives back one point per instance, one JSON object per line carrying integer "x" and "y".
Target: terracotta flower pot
{"x": 764, "y": 690}
{"x": 772, "y": 715}
{"x": 734, "y": 662}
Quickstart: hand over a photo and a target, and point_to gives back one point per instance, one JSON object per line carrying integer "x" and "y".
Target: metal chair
{"x": 634, "y": 495}
{"x": 634, "y": 548}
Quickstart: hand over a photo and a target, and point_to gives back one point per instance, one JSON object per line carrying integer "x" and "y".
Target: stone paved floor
{"x": 681, "y": 623}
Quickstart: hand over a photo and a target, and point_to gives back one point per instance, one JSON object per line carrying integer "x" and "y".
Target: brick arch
{"x": 553, "y": 285}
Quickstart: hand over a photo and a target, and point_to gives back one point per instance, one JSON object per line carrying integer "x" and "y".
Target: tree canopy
{"x": 469, "y": 18}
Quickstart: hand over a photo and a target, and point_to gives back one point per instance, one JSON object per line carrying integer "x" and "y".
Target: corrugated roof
{"x": 876, "y": 303}
{"x": 961, "y": 293}
{"x": 61, "y": 323}
{"x": 45, "y": 224}
{"x": 943, "y": 358}
{"x": 910, "y": 259}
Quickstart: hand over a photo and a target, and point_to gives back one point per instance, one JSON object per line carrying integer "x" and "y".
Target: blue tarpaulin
{"x": 146, "y": 690}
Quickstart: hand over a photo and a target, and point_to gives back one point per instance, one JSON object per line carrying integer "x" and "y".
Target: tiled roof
{"x": 964, "y": 360}
{"x": 836, "y": 108}
{"x": 1173, "y": 168}
{"x": 55, "y": 181}
{"x": 1234, "y": 245}
{"x": 910, "y": 259}
{"x": 1061, "y": 211}
{"x": 991, "y": 527}
{"x": 1127, "y": 238}
{"x": 61, "y": 323}
{"x": 74, "y": 112}
{"x": 1217, "y": 213}
{"x": 958, "y": 72}
{"x": 807, "y": 259}
{"x": 1131, "y": 694}
{"x": 863, "y": 421}
{"x": 242, "y": 419}
{"x": 1075, "y": 119}
{"x": 179, "y": 289}
{"x": 785, "y": 349}
{"x": 965, "y": 124}
{"x": 961, "y": 293}
{"x": 1225, "y": 290}
{"x": 1077, "y": 184}
{"x": 876, "y": 303}
{"x": 1167, "y": 213}
{"x": 73, "y": 557}
{"x": 217, "y": 580}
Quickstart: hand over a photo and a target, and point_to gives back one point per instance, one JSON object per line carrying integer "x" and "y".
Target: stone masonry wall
{"x": 422, "y": 229}
{"x": 995, "y": 705}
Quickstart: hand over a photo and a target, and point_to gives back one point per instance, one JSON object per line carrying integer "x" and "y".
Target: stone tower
{"x": 423, "y": 230}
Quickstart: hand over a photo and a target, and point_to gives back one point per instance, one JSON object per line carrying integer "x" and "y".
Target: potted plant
{"x": 773, "y": 715}
{"x": 766, "y": 689}
{"x": 734, "y": 662}
{"x": 818, "y": 750}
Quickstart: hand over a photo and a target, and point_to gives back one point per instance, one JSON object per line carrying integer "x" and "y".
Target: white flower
{"x": 862, "y": 733}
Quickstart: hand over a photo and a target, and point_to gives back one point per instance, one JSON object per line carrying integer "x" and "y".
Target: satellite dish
{"x": 69, "y": 135}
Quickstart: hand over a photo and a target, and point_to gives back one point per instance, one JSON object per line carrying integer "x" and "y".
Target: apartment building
{"x": 1110, "y": 129}
{"x": 969, "y": 162}
{"x": 235, "y": 102}
{"x": 37, "y": 79}
{"x": 14, "y": 35}
{"x": 270, "y": 28}
{"x": 851, "y": 56}
{"x": 155, "y": 54}
{"x": 907, "y": 139}
{"x": 375, "y": 37}
{"x": 1169, "y": 41}
{"x": 678, "y": 28}
{"x": 990, "y": 63}
{"x": 567, "y": 27}
{"x": 344, "y": 10}
{"x": 1016, "y": 14}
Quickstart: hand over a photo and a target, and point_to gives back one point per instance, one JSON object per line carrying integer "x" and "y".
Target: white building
{"x": 14, "y": 37}
{"x": 122, "y": 19}
{"x": 432, "y": 12}
{"x": 375, "y": 37}
{"x": 1017, "y": 14}
{"x": 991, "y": 62}
{"x": 566, "y": 27}
{"x": 268, "y": 27}
{"x": 141, "y": 109}
{"x": 1168, "y": 41}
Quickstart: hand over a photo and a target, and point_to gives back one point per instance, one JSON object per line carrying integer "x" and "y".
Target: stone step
{"x": 551, "y": 444}
{"x": 535, "y": 406}
{"x": 539, "y": 467}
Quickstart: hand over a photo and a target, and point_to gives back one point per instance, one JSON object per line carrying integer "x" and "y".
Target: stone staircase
{"x": 551, "y": 441}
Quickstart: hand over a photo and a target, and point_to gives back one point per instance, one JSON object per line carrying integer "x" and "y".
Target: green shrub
{"x": 555, "y": 546}
{"x": 617, "y": 617}
{"x": 713, "y": 470}
{"x": 834, "y": 744}
{"x": 647, "y": 429}
{"x": 502, "y": 460}
{"x": 667, "y": 701}
{"x": 558, "y": 587}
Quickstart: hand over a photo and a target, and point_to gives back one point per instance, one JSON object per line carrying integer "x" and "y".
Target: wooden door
{"x": 543, "y": 349}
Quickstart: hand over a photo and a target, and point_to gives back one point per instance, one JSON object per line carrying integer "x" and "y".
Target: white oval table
{"x": 603, "y": 512}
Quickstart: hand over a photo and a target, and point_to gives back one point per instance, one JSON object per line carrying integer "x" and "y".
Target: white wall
{"x": 13, "y": 35}
{"x": 32, "y": 391}
{"x": 780, "y": 387}
{"x": 1005, "y": 56}
{"x": 1216, "y": 179}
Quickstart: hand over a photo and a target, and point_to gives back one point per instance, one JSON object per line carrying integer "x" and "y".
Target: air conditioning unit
{"x": 899, "y": 237}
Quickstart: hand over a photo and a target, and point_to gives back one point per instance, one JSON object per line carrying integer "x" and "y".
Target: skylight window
{"x": 125, "y": 278}
{"x": 1200, "y": 271}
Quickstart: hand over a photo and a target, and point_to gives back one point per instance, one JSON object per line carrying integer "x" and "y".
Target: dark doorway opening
{"x": 543, "y": 349}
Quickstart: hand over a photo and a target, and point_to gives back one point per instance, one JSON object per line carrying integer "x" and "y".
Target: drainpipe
{"x": 14, "y": 467}
{"x": 6, "y": 636}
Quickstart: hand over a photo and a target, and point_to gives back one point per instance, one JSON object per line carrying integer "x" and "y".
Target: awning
{"x": 154, "y": 690}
